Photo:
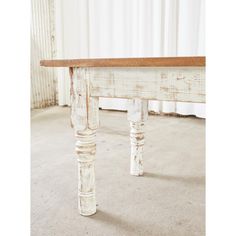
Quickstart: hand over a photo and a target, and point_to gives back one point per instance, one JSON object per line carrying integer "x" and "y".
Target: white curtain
{"x": 130, "y": 28}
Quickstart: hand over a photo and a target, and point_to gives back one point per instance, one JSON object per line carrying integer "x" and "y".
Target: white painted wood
{"x": 183, "y": 84}
{"x": 84, "y": 117}
{"x": 137, "y": 114}
{"x": 136, "y": 84}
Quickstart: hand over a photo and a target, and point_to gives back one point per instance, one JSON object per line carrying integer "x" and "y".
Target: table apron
{"x": 183, "y": 84}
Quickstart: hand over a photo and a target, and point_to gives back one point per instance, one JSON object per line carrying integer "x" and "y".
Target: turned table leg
{"x": 86, "y": 149}
{"x": 84, "y": 117}
{"x": 137, "y": 114}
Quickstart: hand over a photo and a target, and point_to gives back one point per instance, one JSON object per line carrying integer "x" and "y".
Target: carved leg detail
{"x": 84, "y": 118}
{"x": 137, "y": 142}
{"x": 137, "y": 114}
{"x": 86, "y": 149}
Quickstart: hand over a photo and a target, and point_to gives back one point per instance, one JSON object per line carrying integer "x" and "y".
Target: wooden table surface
{"x": 127, "y": 62}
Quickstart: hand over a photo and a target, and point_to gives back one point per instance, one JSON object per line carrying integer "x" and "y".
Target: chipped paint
{"x": 137, "y": 115}
{"x": 84, "y": 116}
{"x": 163, "y": 84}
{"x": 137, "y": 84}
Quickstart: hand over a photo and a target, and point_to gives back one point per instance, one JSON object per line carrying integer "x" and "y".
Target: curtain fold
{"x": 134, "y": 28}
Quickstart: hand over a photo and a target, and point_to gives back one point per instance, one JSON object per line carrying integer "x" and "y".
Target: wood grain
{"x": 127, "y": 62}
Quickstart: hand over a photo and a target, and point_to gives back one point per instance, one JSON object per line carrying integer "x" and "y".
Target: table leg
{"x": 137, "y": 114}
{"x": 84, "y": 117}
{"x": 86, "y": 149}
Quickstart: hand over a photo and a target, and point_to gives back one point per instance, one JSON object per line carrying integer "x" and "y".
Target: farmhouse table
{"x": 179, "y": 79}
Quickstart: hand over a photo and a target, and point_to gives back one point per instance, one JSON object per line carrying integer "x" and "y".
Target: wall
{"x": 43, "y": 80}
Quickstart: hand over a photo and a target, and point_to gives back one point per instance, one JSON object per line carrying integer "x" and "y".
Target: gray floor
{"x": 168, "y": 200}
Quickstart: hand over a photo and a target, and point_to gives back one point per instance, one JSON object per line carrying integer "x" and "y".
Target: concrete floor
{"x": 168, "y": 200}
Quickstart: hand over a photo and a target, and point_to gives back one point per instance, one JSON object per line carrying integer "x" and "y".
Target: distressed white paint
{"x": 184, "y": 84}
{"x": 137, "y": 115}
{"x": 43, "y": 80}
{"x": 84, "y": 117}
{"x": 137, "y": 84}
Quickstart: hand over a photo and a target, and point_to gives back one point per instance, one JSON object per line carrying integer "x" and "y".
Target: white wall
{"x": 43, "y": 80}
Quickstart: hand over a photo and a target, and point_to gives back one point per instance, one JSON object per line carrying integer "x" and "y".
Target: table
{"x": 179, "y": 79}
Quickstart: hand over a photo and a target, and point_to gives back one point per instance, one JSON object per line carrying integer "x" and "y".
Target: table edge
{"x": 128, "y": 62}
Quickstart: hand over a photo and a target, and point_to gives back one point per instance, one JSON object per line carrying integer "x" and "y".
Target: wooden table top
{"x": 127, "y": 62}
